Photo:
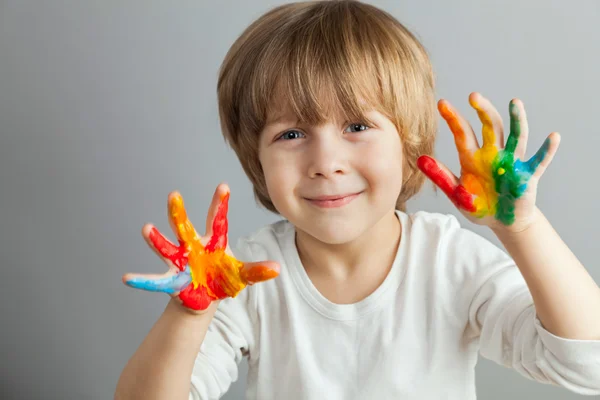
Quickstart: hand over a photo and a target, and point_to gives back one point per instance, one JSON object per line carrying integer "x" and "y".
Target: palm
{"x": 199, "y": 273}
{"x": 495, "y": 186}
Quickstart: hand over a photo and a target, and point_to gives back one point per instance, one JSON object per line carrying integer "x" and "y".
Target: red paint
{"x": 214, "y": 274}
{"x": 196, "y": 299}
{"x": 176, "y": 254}
{"x": 218, "y": 240}
{"x": 455, "y": 192}
{"x": 215, "y": 283}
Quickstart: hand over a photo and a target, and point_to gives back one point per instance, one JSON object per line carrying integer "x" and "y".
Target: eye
{"x": 357, "y": 127}
{"x": 290, "y": 135}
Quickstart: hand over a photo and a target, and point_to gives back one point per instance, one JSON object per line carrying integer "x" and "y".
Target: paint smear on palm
{"x": 214, "y": 274}
{"x": 207, "y": 273}
{"x": 492, "y": 179}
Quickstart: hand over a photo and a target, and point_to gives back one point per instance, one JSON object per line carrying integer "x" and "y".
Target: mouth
{"x": 333, "y": 201}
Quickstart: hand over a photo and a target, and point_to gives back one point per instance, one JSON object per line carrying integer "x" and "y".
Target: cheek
{"x": 382, "y": 164}
{"x": 280, "y": 177}
{"x": 274, "y": 180}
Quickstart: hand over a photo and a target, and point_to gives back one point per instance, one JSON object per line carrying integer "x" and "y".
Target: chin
{"x": 334, "y": 232}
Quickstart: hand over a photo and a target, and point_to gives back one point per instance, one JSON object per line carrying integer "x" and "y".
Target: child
{"x": 330, "y": 107}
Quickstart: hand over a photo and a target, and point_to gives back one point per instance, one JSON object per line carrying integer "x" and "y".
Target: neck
{"x": 376, "y": 246}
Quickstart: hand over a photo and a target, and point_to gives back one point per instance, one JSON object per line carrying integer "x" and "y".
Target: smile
{"x": 333, "y": 203}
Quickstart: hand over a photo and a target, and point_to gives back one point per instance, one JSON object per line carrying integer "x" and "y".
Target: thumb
{"x": 254, "y": 272}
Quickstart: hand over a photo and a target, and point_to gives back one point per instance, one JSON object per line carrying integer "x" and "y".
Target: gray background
{"x": 106, "y": 106}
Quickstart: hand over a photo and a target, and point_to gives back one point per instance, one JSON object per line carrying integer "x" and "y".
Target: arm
{"x": 567, "y": 300}
{"x": 502, "y": 321}
{"x": 161, "y": 367}
{"x": 497, "y": 189}
{"x": 203, "y": 272}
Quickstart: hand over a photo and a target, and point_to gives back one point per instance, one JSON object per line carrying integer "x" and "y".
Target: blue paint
{"x": 170, "y": 285}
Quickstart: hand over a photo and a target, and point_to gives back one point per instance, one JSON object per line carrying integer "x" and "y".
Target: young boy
{"x": 330, "y": 108}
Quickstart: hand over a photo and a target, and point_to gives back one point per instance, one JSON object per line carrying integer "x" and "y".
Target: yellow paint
{"x": 476, "y": 174}
{"x": 218, "y": 265}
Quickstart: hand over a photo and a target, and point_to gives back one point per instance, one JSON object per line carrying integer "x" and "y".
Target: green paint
{"x": 510, "y": 182}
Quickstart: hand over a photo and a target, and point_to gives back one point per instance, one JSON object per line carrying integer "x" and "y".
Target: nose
{"x": 327, "y": 156}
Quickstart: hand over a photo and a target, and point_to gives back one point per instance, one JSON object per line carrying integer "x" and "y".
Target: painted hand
{"x": 496, "y": 188}
{"x": 201, "y": 269}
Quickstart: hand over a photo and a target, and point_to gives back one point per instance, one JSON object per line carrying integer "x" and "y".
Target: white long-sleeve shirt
{"x": 449, "y": 295}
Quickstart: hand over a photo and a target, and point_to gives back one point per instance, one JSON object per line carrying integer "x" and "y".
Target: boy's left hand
{"x": 496, "y": 187}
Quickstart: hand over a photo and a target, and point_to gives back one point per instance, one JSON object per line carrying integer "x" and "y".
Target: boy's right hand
{"x": 202, "y": 269}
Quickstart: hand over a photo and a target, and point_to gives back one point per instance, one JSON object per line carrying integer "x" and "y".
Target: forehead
{"x": 314, "y": 110}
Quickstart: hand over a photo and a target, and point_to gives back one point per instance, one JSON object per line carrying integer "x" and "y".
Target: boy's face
{"x": 303, "y": 163}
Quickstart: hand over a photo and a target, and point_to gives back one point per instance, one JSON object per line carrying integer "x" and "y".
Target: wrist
{"x": 177, "y": 309}
{"x": 519, "y": 228}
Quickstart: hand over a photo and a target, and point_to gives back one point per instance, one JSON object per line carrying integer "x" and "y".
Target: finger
{"x": 516, "y": 143}
{"x": 220, "y": 191}
{"x": 252, "y": 273}
{"x": 492, "y": 130}
{"x": 166, "y": 283}
{"x": 217, "y": 218}
{"x": 537, "y": 164}
{"x": 172, "y": 255}
{"x": 464, "y": 137}
{"x": 179, "y": 221}
{"x": 447, "y": 182}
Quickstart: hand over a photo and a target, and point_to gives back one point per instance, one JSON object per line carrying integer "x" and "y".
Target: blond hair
{"x": 321, "y": 55}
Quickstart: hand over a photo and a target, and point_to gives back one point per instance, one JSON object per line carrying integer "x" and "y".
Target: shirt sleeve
{"x": 502, "y": 316}
{"x": 229, "y": 337}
